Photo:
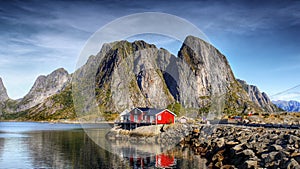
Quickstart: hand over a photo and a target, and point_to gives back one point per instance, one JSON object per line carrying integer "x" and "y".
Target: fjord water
{"x": 45, "y": 145}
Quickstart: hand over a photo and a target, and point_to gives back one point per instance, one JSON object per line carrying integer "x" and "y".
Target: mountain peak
{"x": 192, "y": 38}
{"x": 59, "y": 71}
{"x": 44, "y": 87}
{"x": 3, "y": 92}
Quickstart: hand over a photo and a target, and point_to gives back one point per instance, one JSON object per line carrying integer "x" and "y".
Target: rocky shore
{"x": 225, "y": 146}
{"x": 245, "y": 147}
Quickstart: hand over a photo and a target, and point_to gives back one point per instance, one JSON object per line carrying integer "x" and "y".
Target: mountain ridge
{"x": 44, "y": 87}
{"x": 260, "y": 98}
{"x": 289, "y": 106}
{"x": 124, "y": 75}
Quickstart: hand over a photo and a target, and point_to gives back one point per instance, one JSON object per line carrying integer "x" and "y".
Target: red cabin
{"x": 149, "y": 116}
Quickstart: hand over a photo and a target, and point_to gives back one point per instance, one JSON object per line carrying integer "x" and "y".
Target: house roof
{"x": 124, "y": 113}
{"x": 183, "y": 117}
{"x": 150, "y": 111}
{"x": 153, "y": 111}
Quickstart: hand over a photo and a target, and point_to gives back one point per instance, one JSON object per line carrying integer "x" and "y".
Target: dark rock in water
{"x": 250, "y": 164}
{"x": 259, "y": 151}
{"x": 248, "y": 153}
{"x": 275, "y": 148}
{"x": 293, "y": 164}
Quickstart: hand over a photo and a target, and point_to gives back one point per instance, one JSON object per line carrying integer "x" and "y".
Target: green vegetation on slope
{"x": 57, "y": 107}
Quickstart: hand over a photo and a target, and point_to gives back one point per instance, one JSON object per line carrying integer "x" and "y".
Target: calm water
{"x": 45, "y": 145}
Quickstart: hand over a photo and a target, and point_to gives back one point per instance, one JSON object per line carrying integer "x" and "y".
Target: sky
{"x": 259, "y": 38}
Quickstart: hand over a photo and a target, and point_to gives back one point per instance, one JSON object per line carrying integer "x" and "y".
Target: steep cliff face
{"x": 3, "y": 93}
{"x": 211, "y": 82}
{"x": 206, "y": 74}
{"x": 140, "y": 75}
{"x": 3, "y": 97}
{"x": 128, "y": 76}
{"x": 44, "y": 87}
{"x": 259, "y": 98}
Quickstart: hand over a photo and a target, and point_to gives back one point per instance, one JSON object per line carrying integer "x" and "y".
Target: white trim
{"x": 168, "y": 111}
{"x": 137, "y": 109}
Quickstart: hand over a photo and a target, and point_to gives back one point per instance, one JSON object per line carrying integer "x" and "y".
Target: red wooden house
{"x": 151, "y": 115}
{"x": 147, "y": 116}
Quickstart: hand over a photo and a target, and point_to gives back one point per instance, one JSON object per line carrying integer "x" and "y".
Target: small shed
{"x": 124, "y": 116}
{"x": 182, "y": 119}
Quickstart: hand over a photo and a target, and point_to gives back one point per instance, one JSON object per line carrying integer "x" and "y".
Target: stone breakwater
{"x": 226, "y": 146}
{"x": 245, "y": 147}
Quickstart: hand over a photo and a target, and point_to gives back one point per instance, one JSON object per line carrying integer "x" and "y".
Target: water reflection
{"x": 144, "y": 155}
{"x": 72, "y": 148}
{"x": 41, "y": 147}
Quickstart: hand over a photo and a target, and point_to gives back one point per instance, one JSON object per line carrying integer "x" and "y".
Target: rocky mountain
{"x": 259, "y": 98}
{"x": 289, "y": 106}
{"x": 138, "y": 74}
{"x": 43, "y": 90}
{"x": 3, "y": 96}
{"x": 44, "y": 87}
{"x": 125, "y": 75}
{"x": 3, "y": 93}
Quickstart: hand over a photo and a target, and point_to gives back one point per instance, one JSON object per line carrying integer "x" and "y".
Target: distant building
{"x": 182, "y": 119}
{"x": 235, "y": 119}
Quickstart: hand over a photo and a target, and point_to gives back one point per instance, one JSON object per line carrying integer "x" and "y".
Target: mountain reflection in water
{"x": 68, "y": 146}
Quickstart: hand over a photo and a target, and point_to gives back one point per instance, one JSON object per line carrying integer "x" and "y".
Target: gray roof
{"x": 153, "y": 111}
{"x": 149, "y": 111}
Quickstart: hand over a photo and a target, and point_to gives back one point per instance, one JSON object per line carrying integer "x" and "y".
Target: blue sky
{"x": 260, "y": 39}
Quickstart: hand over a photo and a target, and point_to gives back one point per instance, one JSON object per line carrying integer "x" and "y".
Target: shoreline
{"x": 226, "y": 145}
{"x": 60, "y": 122}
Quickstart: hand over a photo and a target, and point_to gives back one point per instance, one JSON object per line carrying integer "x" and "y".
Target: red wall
{"x": 140, "y": 117}
{"x": 164, "y": 161}
{"x": 166, "y": 117}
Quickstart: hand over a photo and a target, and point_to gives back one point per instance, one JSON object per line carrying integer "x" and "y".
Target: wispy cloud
{"x": 289, "y": 94}
{"x": 37, "y": 37}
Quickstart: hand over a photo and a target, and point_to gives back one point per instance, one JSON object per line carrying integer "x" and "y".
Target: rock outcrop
{"x": 3, "y": 92}
{"x": 44, "y": 87}
{"x": 259, "y": 98}
{"x": 3, "y": 97}
{"x": 206, "y": 79}
{"x": 243, "y": 147}
{"x": 138, "y": 74}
